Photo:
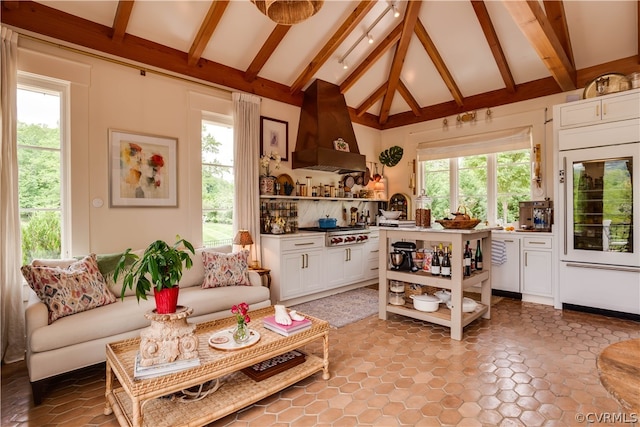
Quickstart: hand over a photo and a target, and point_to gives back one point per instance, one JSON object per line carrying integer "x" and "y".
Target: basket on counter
{"x": 462, "y": 220}
{"x": 461, "y": 224}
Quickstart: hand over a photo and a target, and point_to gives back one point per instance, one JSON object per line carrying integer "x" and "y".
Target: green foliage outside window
{"x": 39, "y": 190}
{"x": 512, "y": 180}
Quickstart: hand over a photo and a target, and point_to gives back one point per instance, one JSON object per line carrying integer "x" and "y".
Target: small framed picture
{"x": 275, "y": 137}
{"x": 340, "y": 145}
{"x": 143, "y": 170}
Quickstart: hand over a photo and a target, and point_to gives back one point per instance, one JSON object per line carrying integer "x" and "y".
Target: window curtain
{"x": 473, "y": 145}
{"x": 12, "y": 316}
{"x": 246, "y": 154}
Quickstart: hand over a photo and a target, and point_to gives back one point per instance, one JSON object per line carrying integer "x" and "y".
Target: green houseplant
{"x": 159, "y": 267}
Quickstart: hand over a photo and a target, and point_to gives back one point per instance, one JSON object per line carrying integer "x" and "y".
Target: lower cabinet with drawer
{"x": 296, "y": 265}
{"x": 537, "y": 266}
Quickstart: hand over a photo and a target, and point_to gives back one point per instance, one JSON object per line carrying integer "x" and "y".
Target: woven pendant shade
{"x": 288, "y": 12}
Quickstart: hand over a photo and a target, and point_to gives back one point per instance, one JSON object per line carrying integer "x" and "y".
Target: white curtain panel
{"x": 12, "y": 316}
{"x": 246, "y": 155}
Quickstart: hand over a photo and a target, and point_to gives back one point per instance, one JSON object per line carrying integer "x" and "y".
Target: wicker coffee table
{"x": 139, "y": 402}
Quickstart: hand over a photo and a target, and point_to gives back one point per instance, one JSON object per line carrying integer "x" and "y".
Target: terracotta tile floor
{"x": 529, "y": 365}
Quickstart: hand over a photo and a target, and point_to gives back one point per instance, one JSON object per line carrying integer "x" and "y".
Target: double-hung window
{"x": 42, "y": 168}
{"x": 488, "y": 174}
{"x": 217, "y": 180}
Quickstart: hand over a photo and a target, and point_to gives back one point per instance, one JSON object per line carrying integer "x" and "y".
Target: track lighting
{"x": 367, "y": 33}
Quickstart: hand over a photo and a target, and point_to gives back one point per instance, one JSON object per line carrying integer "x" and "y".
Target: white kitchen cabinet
{"x": 537, "y": 266}
{"x": 296, "y": 263}
{"x": 506, "y": 276}
{"x": 345, "y": 264}
{"x": 371, "y": 253}
{"x": 597, "y": 110}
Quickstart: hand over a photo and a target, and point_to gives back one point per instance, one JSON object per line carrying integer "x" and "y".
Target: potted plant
{"x": 159, "y": 267}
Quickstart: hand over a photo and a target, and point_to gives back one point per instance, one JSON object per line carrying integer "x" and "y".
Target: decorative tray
{"x": 223, "y": 340}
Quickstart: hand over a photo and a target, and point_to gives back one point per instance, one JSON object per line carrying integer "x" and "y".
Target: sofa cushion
{"x": 225, "y": 269}
{"x": 195, "y": 275}
{"x": 128, "y": 315}
{"x": 65, "y": 291}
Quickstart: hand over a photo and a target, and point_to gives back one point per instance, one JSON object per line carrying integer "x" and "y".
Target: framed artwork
{"x": 275, "y": 137}
{"x": 143, "y": 170}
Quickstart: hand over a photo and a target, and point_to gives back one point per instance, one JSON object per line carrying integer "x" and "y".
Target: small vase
{"x": 268, "y": 185}
{"x": 241, "y": 333}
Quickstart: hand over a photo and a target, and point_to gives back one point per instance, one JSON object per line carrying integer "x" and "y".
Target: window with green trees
{"x": 40, "y": 169}
{"x": 217, "y": 182}
{"x": 489, "y": 186}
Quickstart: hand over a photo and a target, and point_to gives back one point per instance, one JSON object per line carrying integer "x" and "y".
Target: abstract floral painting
{"x": 143, "y": 169}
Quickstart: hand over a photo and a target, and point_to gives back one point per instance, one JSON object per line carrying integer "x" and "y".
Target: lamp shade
{"x": 243, "y": 238}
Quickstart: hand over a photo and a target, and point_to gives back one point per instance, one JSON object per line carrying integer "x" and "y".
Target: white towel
{"x": 498, "y": 252}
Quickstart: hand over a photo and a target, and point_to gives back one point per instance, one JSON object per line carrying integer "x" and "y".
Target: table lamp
{"x": 243, "y": 238}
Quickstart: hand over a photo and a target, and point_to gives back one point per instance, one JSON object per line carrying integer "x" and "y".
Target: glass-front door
{"x": 601, "y": 189}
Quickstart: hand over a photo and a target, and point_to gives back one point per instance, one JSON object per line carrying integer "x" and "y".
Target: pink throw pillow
{"x": 222, "y": 269}
{"x": 65, "y": 291}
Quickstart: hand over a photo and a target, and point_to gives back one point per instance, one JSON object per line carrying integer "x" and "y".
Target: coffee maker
{"x": 402, "y": 256}
{"x": 536, "y": 215}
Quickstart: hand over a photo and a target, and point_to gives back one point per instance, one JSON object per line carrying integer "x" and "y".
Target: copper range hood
{"x": 324, "y": 118}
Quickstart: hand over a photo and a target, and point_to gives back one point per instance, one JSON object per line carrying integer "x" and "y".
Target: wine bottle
{"x": 467, "y": 260}
{"x": 445, "y": 268}
{"x": 478, "y": 257}
{"x": 435, "y": 262}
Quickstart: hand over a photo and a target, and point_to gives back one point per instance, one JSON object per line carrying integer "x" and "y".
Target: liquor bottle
{"x": 440, "y": 253}
{"x": 467, "y": 260}
{"x": 478, "y": 257}
{"x": 435, "y": 262}
{"x": 445, "y": 268}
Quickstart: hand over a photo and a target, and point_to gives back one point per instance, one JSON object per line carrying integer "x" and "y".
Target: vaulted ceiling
{"x": 436, "y": 59}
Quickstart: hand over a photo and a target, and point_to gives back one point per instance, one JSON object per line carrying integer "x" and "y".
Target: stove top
{"x": 334, "y": 229}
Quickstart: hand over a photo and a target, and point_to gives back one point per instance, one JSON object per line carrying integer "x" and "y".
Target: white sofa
{"x": 79, "y": 340}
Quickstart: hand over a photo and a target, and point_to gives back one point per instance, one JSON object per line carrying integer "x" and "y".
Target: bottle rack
{"x": 278, "y": 211}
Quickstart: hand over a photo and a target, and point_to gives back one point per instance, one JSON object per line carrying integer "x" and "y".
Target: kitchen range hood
{"x": 324, "y": 118}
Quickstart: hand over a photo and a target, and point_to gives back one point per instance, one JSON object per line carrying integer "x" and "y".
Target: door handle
{"x": 564, "y": 211}
{"x": 306, "y": 260}
{"x": 598, "y": 110}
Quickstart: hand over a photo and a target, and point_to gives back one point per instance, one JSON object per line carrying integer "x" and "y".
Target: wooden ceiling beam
{"x": 267, "y": 49}
{"x": 373, "y": 98}
{"x": 558, "y": 20}
{"x": 379, "y": 50}
{"x": 209, "y": 24}
{"x": 38, "y": 18}
{"x": 531, "y": 19}
{"x": 494, "y": 44}
{"x": 121, "y": 20}
{"x": 406, "y": 94}
{"x": 334, "y": 42}
{"x": 438, "y": 62}
{"x": 408, "y": 25}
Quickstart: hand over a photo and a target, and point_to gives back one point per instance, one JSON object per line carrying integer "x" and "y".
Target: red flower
{"x": 156, "y": 161}
{"x": 240, "y": 311}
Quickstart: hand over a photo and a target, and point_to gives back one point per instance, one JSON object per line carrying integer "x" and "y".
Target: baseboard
{"x": 602, "y": 312}
{"x": 507, "y": 294}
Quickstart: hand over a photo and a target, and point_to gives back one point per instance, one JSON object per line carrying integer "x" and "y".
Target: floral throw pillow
{"x": 222, "y": 269}
{"x": 70, "y": 290}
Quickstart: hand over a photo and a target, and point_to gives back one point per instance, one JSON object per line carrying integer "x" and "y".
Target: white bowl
{"x": 391, "y": 214}
{"x": 468, "y": 305}
{"x": 427, "y": 303}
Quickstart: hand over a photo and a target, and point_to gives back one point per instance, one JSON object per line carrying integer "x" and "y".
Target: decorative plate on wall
{"x": 606, "y": 83}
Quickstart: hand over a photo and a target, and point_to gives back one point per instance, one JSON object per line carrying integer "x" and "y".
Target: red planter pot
{"x": 166, "y": 300}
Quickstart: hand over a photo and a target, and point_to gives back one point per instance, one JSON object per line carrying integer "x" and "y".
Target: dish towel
{"x": 498, "y": 252}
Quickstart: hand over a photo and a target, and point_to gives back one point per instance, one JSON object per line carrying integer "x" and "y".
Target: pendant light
{"x": 288, "y": 12}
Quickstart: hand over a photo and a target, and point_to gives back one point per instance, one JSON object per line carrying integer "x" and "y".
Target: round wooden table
{"x": 619, "y": 369}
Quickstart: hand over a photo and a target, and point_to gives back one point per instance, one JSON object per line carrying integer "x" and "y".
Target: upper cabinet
{"x": 608, "y": 108}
